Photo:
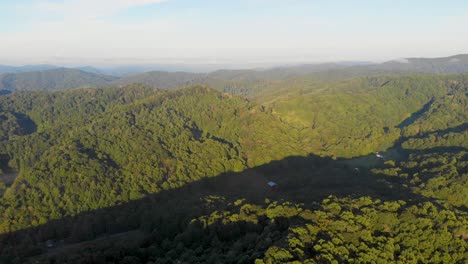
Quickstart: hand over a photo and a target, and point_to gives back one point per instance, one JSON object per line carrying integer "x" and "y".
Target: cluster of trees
{"x": 441, "y": 176}
{"x": 342, "y": 230}
{"x": 435, "y": 140}
{"x": 9, "y": 126}
{"x": 338, "y": 230}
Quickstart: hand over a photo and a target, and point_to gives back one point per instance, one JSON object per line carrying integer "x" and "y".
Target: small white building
{"x": 272, "y": 184}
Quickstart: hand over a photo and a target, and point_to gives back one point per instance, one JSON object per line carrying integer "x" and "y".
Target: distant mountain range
{"x": 44, "y": 67}
{"x": 25, "y": 68}
{"x": 31, "y": 77}
{"x": 164, "y": 80}
{"x": 237, "y": 81}
{"x": 446, "y": 65}
{"x": 60, "y": 78}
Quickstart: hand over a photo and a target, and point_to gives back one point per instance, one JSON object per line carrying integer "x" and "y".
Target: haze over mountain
{"x": 224, "y": 79}
{"x": 444, "y": 65}
{"x": 234, "y": 81}
{"x": 59, "y": 78}
{"x": 25, "y": 68}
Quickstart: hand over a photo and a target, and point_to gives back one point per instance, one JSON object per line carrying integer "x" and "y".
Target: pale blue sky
{"x": 241, "y": 31}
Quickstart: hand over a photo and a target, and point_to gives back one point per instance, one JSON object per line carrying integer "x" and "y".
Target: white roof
{"x": 271, "y": 184}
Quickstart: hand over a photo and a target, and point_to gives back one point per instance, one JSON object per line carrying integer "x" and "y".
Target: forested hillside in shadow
{"x": 217, "y": 219}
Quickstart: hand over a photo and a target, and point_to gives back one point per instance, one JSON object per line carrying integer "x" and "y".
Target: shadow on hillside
{"x": 5, "y": 92}
{"x": 436, "y": 150}
{"x": 410, "y": 120}
{"x": 26, "y": 123}
{"x": 300, "y": 179}
{"x": 457, "y": 129}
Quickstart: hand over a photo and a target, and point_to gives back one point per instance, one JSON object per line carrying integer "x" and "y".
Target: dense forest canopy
{"x": 132, "y": 174}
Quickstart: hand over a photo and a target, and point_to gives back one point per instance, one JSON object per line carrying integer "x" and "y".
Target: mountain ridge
{"x": 58, "y": 78}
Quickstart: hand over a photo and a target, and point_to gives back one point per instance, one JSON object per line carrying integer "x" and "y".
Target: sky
{"x": 107, "y": 32}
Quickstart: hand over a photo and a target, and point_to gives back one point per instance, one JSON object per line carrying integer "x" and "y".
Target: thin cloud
{"x": 72, "y": 9}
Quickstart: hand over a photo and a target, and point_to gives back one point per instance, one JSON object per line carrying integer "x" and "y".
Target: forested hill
{"x": 357, "y": 116}
{"x": 131, "y": 174}
{"x": 164, "y": 80}
{"x": 61, "y": 78}
{"x": 126, "y": 143}
{"x": 445, "y": 65}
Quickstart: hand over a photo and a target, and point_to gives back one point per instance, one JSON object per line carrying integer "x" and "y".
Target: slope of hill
{"x": 91, "y": 70}
{"x": 164, "y": 80}
{"x": 170, "y": 139}
{"x": 360, "y": 115}
{"x": 61, "y": 78}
